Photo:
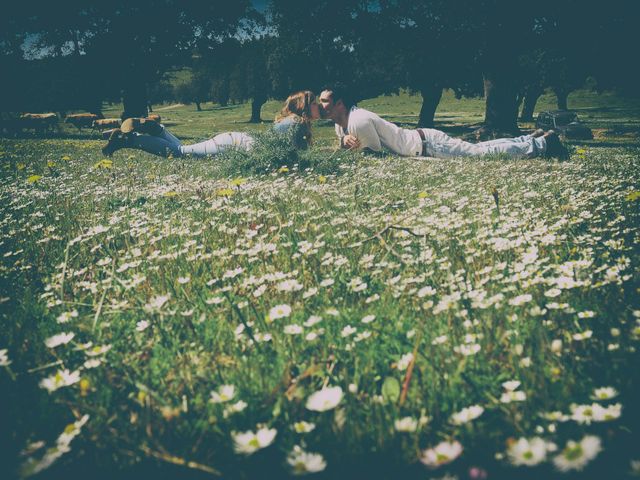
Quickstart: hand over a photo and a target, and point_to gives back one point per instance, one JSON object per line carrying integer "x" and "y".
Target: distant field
{"x": 394, "y": 318}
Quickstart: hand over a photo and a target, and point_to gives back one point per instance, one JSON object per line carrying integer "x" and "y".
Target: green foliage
{"x": 273, "y": 152}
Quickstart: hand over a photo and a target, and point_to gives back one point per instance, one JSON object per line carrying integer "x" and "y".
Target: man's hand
{"x": 350, "y": 142}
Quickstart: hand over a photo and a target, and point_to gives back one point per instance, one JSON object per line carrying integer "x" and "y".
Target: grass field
{"x": 393, "y": 318}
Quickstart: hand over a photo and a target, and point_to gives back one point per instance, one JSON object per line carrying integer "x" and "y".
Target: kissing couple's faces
{"x": 326, "y": 104}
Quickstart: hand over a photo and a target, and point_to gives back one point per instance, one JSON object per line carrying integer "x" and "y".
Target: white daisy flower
{"x": 64, "y": 317}
{"x": 312, "y": 320}
{"x": 4, "y": 358}
{"x": 224, "y": 394}
{"x": 310, "y": 293}
{"x": 406, "y": 424}
{"x": 404, "y": 361}
{"x": 279, "y": 311}
{"x": 604, "y": 393}
{"x": 324, "y": 399}
{"x": 520, "y": 300}
{"x": 303, "y": 427}
{"x": 62, "y": 378}
{"x": 529, "y": 452}
{"x": 508, "y": 397}
{"x": 467, "y": 349}
{"x": 467, "y": 414}
{"x": 249, "y": 442}
{"x": 59, "y": 339}
{"x": 92, "y": 363}
{"x": 368, "y": 319}
{"x": 293, "y": 329}
{"x": 142, "y": 325}
{"x": 439, "y": 340}
{"x": 511, "y": 385}
{"x": 237, "y": 407}
{"x": 576, "y": 455}
{"x": 441, "y": 454}
{"x": 612, "y": 412}
{"x": 156, "y": 303}
{"x": 214, "y": 300}
{"x": 578, "y": 337}
{"x": 426, "y": 291}
{"x": 303, "y": 462}
{"x": 348, "y": 330}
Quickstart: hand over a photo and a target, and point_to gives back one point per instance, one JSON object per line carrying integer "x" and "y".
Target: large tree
{"x": 320, "y": 42}
{"x": 237, "y": 71}
{"x": 434, "y": 43}
{"x": 249, "y": 78}
{"x": 131, "y": 43}
{"x": 609, "y": 37}
{"x": 500, "y": 31}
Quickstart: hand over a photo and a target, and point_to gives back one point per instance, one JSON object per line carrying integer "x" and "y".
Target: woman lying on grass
{"x": 145, "y": 134}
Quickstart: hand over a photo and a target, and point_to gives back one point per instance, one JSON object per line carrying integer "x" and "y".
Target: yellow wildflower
{"x": 224, "y": 192}
{"x": 283, "y": 169}
{"x": 422, "y": 195}
{"x": 322, "y": 179}
{"x": 633, "y": 196}
{"x": 236, "y": 182}
{"x": 84, "y": 386}
{"x": 34, "y": 178}
{"x": 66, "y": 158}
{"x": 104, "y": 164}
{"x": 170, "y": 194}
{"x": 21, "y": 166}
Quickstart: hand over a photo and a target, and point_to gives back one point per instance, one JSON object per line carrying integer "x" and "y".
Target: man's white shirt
{"x": 374, "y": 133}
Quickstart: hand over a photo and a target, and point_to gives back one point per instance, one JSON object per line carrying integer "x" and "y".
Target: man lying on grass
{"x": 360, "y": 128}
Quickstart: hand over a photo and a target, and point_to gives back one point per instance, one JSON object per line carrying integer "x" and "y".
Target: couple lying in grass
{"x": 355, "y": 127}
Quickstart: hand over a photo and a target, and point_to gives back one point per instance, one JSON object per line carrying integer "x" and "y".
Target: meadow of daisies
{"x": 423, "y": 318}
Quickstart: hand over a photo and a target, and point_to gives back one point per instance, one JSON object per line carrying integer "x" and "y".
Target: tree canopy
{"x": 508, "y": 51}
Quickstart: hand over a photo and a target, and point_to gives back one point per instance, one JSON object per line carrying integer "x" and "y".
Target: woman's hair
{"x": 298, "y": 105}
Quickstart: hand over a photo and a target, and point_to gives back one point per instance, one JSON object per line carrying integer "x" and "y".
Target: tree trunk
{"x": 198, "y": 107}
{"x": 529, "y": 106}
{"x": 150, "y": 107}
{"x": 519, "y": 100}
{"x": 431, "y": 95}
{"x": 562, "y": 96}
{"x": 256, "y": 107}
{"x": 76, "y": 42}
{"x": 500, "y": 95}
{"x": 134, "y": 99}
